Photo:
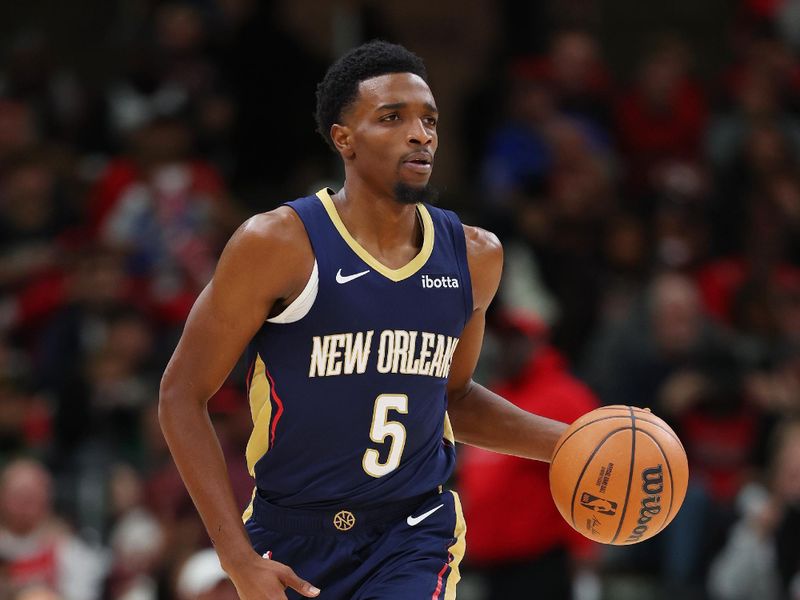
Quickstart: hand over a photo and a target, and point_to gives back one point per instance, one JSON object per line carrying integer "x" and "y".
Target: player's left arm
{"x": 480, "y": 417}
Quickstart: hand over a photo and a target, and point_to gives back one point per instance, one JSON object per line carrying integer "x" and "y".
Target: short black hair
{"x": 339, "y": 88}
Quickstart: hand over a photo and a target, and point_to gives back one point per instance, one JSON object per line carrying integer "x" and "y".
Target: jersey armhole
{"x": 460, "y": 243}
{"x": 301, "y": 305}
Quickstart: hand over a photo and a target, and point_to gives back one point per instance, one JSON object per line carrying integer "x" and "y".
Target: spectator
{"x": 661, "y": 118}
{"x": 38, "y": 548}
{"x": 25, "y": 420}
{"x": 579, "y": 77}
{"x": 137, "y": 540}
{"x": 31, "y": 216}
{"x": 629, "y": 361}
{"x": 63, "y": 107}
{"x": 626, "y": 256}
{"x": 518, "y": 155}
{"x": 535, "y": 137}
{"x": 168, "y": 211}
{"x": 761, "y": 560}
{"x": 518, "y": 539}
{"x": 202, "y": 578}
{"x": 18, "y": 131}
{"x": 94, "y": 289}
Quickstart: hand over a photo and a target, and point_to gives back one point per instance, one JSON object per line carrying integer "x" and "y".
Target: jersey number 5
{"x": 382, "y": 428}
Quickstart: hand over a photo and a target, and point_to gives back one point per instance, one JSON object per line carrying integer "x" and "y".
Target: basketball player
{"x": 362, "y": 311}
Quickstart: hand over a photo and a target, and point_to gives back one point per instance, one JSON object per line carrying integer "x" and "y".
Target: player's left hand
{"x": 264, "y": 579}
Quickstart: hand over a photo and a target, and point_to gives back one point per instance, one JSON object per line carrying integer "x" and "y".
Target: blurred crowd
{"x": 651, "y": 223}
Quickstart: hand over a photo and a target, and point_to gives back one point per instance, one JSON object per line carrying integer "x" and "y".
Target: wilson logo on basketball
{"x": 653, "y": 486}
{"x": 601, "y": 505}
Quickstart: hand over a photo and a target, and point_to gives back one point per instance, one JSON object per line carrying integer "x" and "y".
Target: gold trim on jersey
{"x": 457, "y": 550}
{"x": 248, "y": 512}
{"x": 261, "y": 412}
{"x": 404, "y": 272}
{"x": 448, "y": 430}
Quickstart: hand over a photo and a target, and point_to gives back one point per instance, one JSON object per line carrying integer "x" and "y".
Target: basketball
{"x": 619, "y": 475}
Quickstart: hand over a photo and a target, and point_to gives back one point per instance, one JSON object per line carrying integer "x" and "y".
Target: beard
{"x": 406, "y": 194}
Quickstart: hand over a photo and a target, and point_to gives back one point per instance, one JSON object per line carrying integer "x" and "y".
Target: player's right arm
{"x": 265, "y": 264}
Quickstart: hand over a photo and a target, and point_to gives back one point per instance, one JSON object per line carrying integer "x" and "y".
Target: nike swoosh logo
{"x": 345, "y": 278}
{"x": 417, "y": 520}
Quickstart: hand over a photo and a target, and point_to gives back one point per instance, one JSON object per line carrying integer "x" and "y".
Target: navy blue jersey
{"x": 349, "y": 402}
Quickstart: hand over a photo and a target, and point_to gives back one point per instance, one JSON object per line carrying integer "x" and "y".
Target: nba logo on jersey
{"x": 439, "y": 281}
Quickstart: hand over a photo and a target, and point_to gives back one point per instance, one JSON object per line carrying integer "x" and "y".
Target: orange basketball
{"x": 619, "y": 475}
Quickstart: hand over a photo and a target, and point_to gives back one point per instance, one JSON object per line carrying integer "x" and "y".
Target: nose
{"x": 419, "y": 135}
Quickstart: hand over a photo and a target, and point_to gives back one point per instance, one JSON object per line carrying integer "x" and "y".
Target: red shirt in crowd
{"x": 507, "y": 500}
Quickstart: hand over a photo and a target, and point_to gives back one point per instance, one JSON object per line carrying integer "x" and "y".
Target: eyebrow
{"x": 397, "y": 105}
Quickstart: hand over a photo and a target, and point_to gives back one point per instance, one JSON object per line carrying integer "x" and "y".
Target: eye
{"x": 431, "y": 121}
{"x": 390, "y": 117}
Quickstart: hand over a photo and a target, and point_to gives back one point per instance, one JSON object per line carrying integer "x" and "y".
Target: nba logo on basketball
{"x": 597, "y": 504}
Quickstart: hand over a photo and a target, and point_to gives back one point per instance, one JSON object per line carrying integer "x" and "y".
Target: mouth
{"x": 419, "y": 162}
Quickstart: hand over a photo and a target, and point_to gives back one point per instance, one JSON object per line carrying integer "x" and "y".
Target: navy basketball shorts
{"x": 408, "y": 550}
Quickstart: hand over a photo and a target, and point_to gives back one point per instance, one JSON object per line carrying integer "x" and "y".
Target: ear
{"x": 342, "y": 139}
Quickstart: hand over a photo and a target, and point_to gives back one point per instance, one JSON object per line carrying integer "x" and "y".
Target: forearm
{"x": 482, "y": 418}
{"x": 197, "y": 453}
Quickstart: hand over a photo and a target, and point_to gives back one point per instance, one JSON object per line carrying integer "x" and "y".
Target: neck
{"x": 386, "y": 228}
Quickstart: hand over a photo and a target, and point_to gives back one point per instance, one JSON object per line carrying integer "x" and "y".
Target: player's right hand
{"x": 264, "y": 579}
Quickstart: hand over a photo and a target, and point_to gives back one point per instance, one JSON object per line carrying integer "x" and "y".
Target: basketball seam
{"x": 642, "y": 411}
{"x": 630, "y": 477}
{"x": 564, "y": 441}
{"x": 670, "y": 433}
{"x": 586, "y": 466}
{"x": 671, "y": 481}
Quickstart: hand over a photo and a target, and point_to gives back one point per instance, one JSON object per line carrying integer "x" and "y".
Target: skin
{"x": 392, "y": 117}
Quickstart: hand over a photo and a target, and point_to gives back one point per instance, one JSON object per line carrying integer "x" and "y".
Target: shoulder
{"x": 278, "y": 231}
{"x": 485, "y": 258}
{"x": 482, "y": 244}
{"x": 281, "y": 225}
{"x": 271, "y": 245}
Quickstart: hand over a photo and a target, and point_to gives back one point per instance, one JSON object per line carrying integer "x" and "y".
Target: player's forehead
{"x": 393, "y": 89}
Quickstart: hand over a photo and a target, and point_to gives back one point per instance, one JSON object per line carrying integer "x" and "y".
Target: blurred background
{"x": 638, "y": 159}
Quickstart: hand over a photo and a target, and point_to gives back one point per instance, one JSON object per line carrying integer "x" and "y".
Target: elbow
{"x": 178, "y": 399}
{"x": 165, "y": 396}
{"x": 168, "y": 397}
{"x": 457, "y": 393}
{"x": 457, "y": 407}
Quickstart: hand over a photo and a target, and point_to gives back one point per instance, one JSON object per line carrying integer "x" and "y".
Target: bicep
{"x": 212, "y": 342}
{"x": 485, "y": 257}
{"x": 466, "y": 355}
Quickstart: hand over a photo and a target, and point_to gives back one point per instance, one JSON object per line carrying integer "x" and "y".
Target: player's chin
{"x": 414, "y": 184}
{"x": 413, "y": 193}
